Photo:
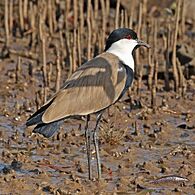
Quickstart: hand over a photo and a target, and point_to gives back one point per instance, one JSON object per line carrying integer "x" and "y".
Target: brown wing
{"x": 94, "y": 86}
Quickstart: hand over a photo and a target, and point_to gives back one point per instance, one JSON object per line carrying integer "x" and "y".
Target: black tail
{"x": 49, "y": 129}
{"x": 36, "y": 118}
{"x": 46, "y": 129}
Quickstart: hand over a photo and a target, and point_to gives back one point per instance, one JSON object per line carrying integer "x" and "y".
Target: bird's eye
{"x": 128, "y": 37}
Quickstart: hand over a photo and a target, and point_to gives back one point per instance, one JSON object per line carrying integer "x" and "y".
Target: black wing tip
{"x": 36, "y": 118}
{"x": 34, "y": 121}
{"x": 28, "y": 122}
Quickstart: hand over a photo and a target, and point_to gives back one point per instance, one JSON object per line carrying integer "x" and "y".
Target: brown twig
{"x": 80, "y": 41}
{"x": 175, "y": 72}
{"x": 79, "y": 47}
{"x": 74, "y": 46}
{"x": 88, "y": 30}
{"x": 122, "y": 19}
{"x": 49, "y": 74}
{"x": 131, "y": 14}
{"x": 18, "y": 69}
{"x": 104, "y": 21}
{"x": 167, "y": 61}
{"x": 155, "y": 75}
{"x": 138, "y": 64}
{"x": 58, "y": 70}
{"x": 6, "y": 21}
{"x": 183, "y": 18}
{"x": 21, "y": 17}
{"x": 75, "y": 11}
{"x": 117, "y": 14}
{"x": 33, "y": 14}
{"x": 10, "y": 15}
{"x": 182, "y": 82}
{"x": 49, "y": 10}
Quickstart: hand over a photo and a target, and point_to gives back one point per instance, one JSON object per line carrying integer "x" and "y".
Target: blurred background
{"x": 43, "y": 42}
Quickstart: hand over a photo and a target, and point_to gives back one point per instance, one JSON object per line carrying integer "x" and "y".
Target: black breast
{"x": 130, "y": 76}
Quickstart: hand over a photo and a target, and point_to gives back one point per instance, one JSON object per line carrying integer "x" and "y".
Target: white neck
{"x": 123, "y": 50}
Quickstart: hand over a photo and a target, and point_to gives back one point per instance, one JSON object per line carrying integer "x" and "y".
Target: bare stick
{"x": 18, "y": 69}
{"x": 32, "y": 24}
{"x": 150, "y": 61}
{"x": 126, "y": 19}
{"x": 122, "y": 19}
{"x": 58, "y": 70}
{"x": 42, "y": 14}
{"x": 68, "y": 39}
{"x": 96, "y": 9}
{"x": 50, "y": 17}
{"x": 175, "y": 72}
{"x": 44, "y": 59}
{"x": 151, "y": 69}
{"x": 183, "y": 18}
{"x": 155, "y": 79}
{"x": 21, "y": 15}
{"x": 117, "y": 14}
{"x": 131, "y": 14}
{"x": 53, "y": 5}
{"x": 88, "y": 30}
{"x": 6, "y": 20}
{"x": 139, "y": 72}
{"x": 182, "y": 81}
{"x": 49, "y": 74}
{"x": 154, "y": 103}
{"x": 80, "y": 40}
{"x": 167, "y": 63}
{"x": 107, "y": 7}
{"x": 75, "y": 10}
{"x": 100, "y": 46}
{"x": 104, "y": 17}
{"x": 25, "y": 9}
{"x": 79, "y": 46}
{"x": 74, "y": 56}
{"x": 31, "y": 71}
{"x": 81, "y": 16}
{"x": 11, "y": 15}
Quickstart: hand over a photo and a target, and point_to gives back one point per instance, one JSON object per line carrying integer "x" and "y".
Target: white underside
{"x": 123, "y": 50}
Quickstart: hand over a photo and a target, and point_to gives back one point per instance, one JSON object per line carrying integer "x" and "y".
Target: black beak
{"x": 142, "y": 43}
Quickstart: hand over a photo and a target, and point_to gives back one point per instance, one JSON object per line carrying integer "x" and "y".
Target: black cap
{"x": 118, "y": 34}
{"x": 124, "y": 33}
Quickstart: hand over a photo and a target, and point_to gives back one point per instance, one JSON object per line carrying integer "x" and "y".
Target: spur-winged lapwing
{"x": 95, "y": 86}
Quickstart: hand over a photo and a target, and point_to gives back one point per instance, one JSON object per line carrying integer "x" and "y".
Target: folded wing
{"x": 93, "y": 87}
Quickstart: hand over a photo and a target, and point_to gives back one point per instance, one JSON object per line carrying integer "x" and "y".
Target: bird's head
{"x": 124, "y": 38}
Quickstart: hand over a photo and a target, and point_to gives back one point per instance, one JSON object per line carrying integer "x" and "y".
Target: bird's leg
{"x": 96, "y": 145}
{"x": 88, "y": 147}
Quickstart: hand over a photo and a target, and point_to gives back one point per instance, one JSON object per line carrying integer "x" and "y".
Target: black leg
{"x": 96, "y": 145}
{"x": 88, "y": 147}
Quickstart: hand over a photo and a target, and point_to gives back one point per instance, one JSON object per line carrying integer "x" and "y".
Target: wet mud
{"x": 145, "y": 149}
{"x": 142, "y": 151}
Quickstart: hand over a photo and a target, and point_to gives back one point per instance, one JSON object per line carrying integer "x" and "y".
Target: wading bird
{"x": 96, "y": 85}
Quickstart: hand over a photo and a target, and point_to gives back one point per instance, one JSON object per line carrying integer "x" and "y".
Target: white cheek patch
{"x": 123, "y": 50}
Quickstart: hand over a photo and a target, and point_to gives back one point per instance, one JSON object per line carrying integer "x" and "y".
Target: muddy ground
{"x": 143, "y": 151}
{"x": 138, "y": 146}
